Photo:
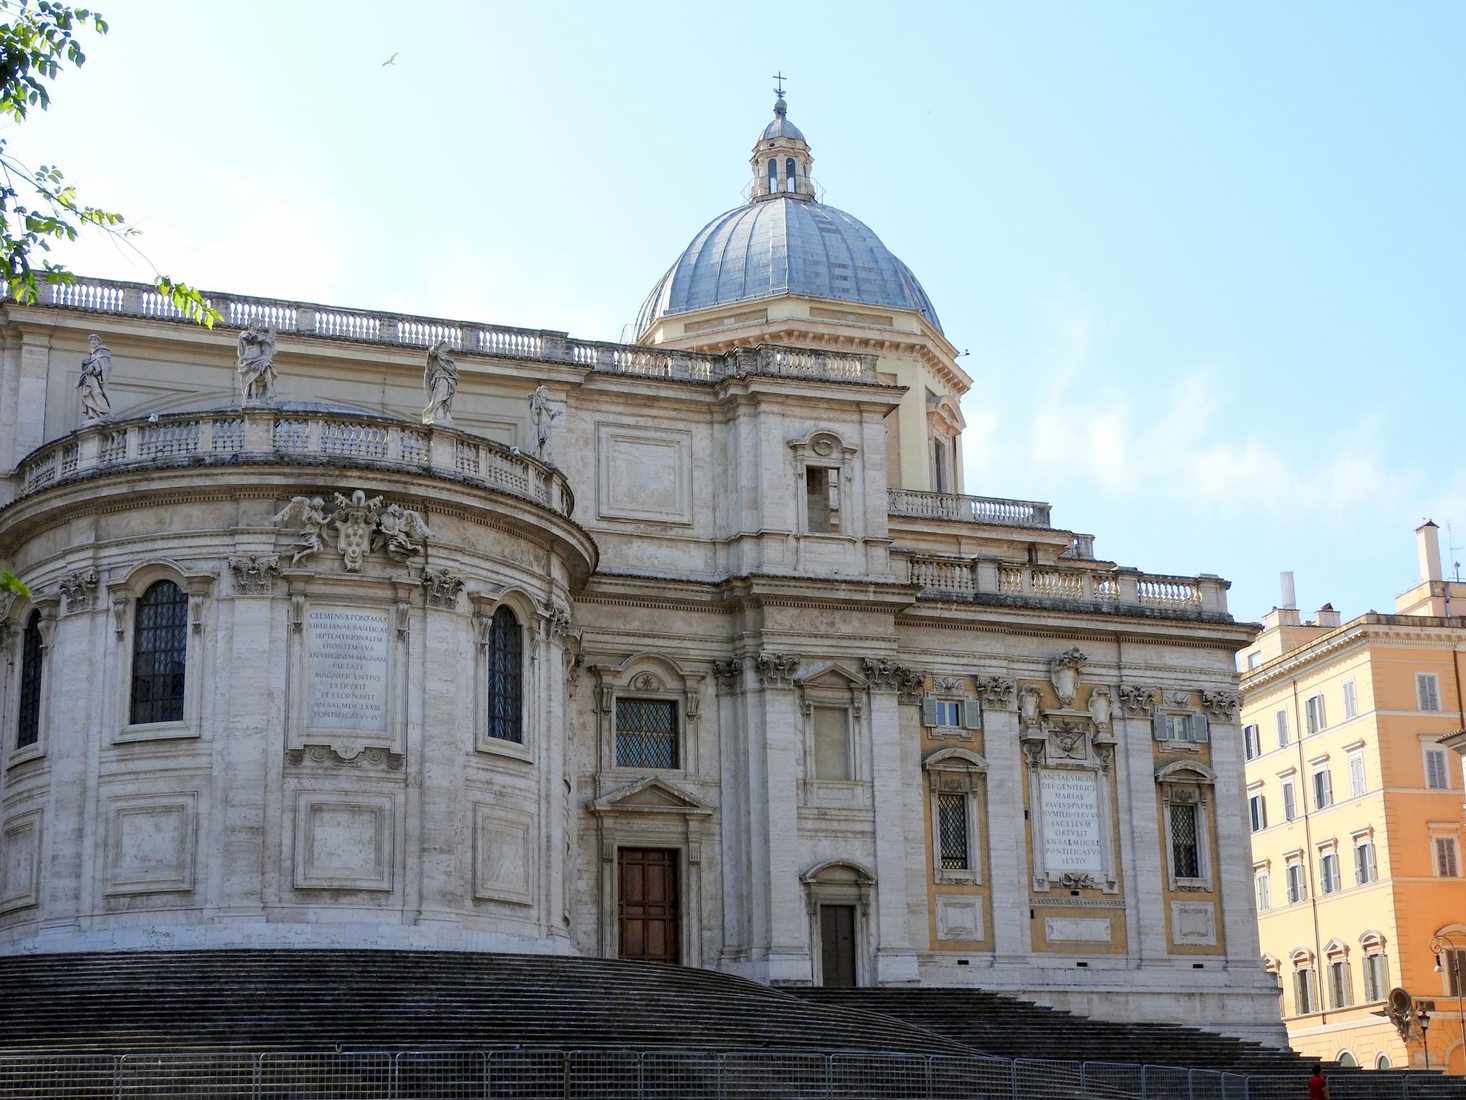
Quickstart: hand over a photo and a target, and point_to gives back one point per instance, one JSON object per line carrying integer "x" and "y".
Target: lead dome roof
{"x": 784, "y": 244}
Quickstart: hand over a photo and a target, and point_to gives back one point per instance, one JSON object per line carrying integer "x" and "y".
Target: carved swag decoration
{"x": 360, "y": 525}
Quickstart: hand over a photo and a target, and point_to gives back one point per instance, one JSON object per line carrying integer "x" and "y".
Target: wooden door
{"x": 837, "y": 945}
{"x": 648, "y": 909}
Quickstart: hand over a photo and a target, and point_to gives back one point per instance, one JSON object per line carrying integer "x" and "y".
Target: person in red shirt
{"x": 1318, "y": 1086}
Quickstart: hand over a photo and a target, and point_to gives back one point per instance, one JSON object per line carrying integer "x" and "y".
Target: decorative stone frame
{"x": 123, "y": 595}
{"x": 12, "y": 641}
{"x": 1186, "y": 782}
{"x": 1336, "y": 951}
{"x": 840, "y": 882}
{"x": 833, "y": 686}
{"x": 825, "y": 449}
{"x": 969, "y": 706}
{"x": 653, "y": 813}
{"x": 530, "y": 626}
{"x": 957, "y": 771}
{"x": 1302, "y": 960}
{"x": 649, "y": 676}
{"x": 393, "y": 598}
{"x": 21, "y": 835}
{"x": 1067, "y": 742}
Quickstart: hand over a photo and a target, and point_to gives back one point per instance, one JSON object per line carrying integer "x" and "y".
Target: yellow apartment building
{"x": 1355, "y": 806}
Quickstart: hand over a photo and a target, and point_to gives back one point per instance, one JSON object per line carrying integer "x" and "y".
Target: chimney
{"x": 1290, "y": 596}
{"x": 1428, "y": 551}
{"x": 1326, "y": 616}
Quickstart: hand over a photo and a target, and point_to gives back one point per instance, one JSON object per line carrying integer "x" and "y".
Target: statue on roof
{"x": 543, "y": 416}
{"x": 439, "y": 383}
{"x": 93, "y": 381}
{"x": 257, "y": 364}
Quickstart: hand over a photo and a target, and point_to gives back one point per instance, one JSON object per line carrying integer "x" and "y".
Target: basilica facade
{"x": 349, "y": 628}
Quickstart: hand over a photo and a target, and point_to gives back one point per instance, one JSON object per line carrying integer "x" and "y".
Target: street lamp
{"x": 1422, "y": 1017}
{"x": 1452, "y": 969}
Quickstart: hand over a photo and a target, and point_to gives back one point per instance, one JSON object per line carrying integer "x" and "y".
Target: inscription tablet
{"x": 348, "y": 669}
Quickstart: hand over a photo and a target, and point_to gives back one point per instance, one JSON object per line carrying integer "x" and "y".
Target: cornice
{"x": 1363, "y": 632}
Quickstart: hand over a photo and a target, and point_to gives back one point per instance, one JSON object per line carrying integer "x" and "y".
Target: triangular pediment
{"x": 652, "y": 795}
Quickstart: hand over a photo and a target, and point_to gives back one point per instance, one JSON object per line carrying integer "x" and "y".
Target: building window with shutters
{"x": 1313, "y": 714}
{"x": 159, "y": 655}
{"x": 646, "y": 733}
{"x": 1185, "y": 790}
{"x": 950, "y": 716}
{"x": 32, "y": 655}
{"x": 1297, "y": 890}
{"x": 1257, "y": 811}
{"x": 955, "y": 779}
{"x": 1280, "y": 719}
{"x": 1437, "y": 775}
{"x": 1365, "y": 870}
{"x": 1180, "y": 730}
{"x": 1351, "y": 699}
{"x": 1262, "y": 889}
{"x": 1427, "y": 691}
{"x": 1251, "y": 743}
{"x": 1323, "y": 787}
{"x": 1290, "y": 800}
{"x": 1340, "y": 993}
{"x": 1447, "y": 857}
{"x": 1357, "y": 785}
{"x": 1376, "y": 977}
{"x": 1303, "y": 1001}
{"x": 1329, "y": 881}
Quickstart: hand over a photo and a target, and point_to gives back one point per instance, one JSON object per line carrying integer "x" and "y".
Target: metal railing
{"x": 610, "y": 1074}
{"x": 470, "y": 337}
{"x": 242, "y": 435}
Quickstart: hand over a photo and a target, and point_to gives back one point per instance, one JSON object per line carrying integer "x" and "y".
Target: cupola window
{"x": 789, "y": 176}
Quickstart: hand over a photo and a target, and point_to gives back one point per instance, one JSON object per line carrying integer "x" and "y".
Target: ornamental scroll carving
{"x": 776, "y": 669}
{"x": 367, "y": 757}
{"x": 360, "y": 524}
{"x": 884, "y": 674}
{"x": 1064, "y": 672}
{"x": 1221, "y": 705}
{"x": 1137, "y": 702}
{"x": 254, "y": 576}
{"x": 727, "y": 674}
{"x": 995, "y": 691}
{"x": 441, "y": 588}
{"x": 557, "y": 619}
{"x": 80, "y": 589}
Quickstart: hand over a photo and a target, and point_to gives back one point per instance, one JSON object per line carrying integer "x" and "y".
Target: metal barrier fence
{"x": 654, "y": 1075}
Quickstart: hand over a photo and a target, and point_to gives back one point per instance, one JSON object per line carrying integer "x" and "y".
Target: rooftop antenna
{"x": 1451, "y": 549}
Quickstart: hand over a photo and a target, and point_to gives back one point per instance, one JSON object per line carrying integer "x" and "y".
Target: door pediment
{"x": 652, "y": 795}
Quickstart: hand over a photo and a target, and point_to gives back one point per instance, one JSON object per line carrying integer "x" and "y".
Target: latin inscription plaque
{"x": 1071, "y": 825}
{"x": 348, "y": 669}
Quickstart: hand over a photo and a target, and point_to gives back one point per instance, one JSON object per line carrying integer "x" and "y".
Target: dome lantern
{"x": 781, "y": 159}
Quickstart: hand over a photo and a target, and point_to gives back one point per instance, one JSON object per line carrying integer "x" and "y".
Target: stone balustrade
{"x": 267, "y": 434}
{"x": 469, "y": 337}
{"x": 974, "y": 578}
{"x": 969, "y": 509}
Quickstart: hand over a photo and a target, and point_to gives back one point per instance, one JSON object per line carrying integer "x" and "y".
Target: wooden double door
{"x": 649, "y": 905}
{"x": 837, "y": 946}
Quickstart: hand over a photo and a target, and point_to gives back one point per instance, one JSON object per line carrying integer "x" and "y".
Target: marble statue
{"x": 440, "y": 383}
{"x": 93, "y": 381}
{"x": 257, "y": 364}
{"x": 403, "y": 530}
{"x": 543, "y": 416}
{"x": 311, "y": 511}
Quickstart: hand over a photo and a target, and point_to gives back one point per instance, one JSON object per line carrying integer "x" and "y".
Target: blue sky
{"x": 1208, "y": 260}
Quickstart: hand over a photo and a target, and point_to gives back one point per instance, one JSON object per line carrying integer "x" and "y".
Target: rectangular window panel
{"x": 1185, "y": 849}
{"x": 1251, "y": 744}
{"x": 1290, "y": 801}
{"x": 1351, "y": 699}
{"x": 821, "y": 487}
{"x": 948, "y": 712}
{"x": 1427, "y": 691}
{"x": 1364, "y": 870}
{"x": 1374, "y": 977}
{"x": 1281, "y": 718}
{"x": 1313, "y": 713}
{"x": 1257, "y": 810}
{"x": 952, "y": 831}
{"x": 832, "y": 743}
{"x": 1323, "y": 789}
{"x": 646, "y": 733}
{"x": 1436, "y": 776}
{"x": 1339, "y": 983}
{"x": 1263, "y": 890}
{"x": 1328, "y": 873}
{"x": 1303, "y": 991}
{"x": 1356, "y": 774}
{"x": 1453, "y": 962}
{"x": 1296, "y": 891}
{"x": 1446, "y": 864}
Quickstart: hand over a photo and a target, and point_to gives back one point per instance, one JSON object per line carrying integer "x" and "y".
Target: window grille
{"x": 28, "y": 728}
{"x": 159, "y": 649}
{"x": 505, "y": 661}
{"x": 952, "y": 831}
{"x": 1185, "y": 853}
{"x": 646, "y": 733}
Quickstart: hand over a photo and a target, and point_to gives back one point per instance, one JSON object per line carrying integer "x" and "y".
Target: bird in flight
{"x": 390, "y": 61}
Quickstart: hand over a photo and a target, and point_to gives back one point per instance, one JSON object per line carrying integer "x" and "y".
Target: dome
{"x": 784, "y": 244}
{"x": 781, "y": 127}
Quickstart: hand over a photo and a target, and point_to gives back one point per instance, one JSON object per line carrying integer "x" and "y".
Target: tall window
{"x": 1251, "y": 745}
{"x": 1364, "y": 867}
{"x": 952, "y": 832}
{"x": 1290, "y": 800}
{"x": 1313, "y": 713}
{"x": 1185, "y": 840}
{"x": 1323, "y": 789}
{"x": 1281, "y": 718}
{"x": 505, "y": 666}
{"x": 1328, "y": 874}
{"x": 646, "y": 733}
{"x": 821, "y": 488}
{"x": 1303, "y": 990}
{"x": 831, "y": 728}
{"x": 1427, "y": 691}
{"x": 1356, "y": 773}
{"x": 1375, "y": 985}
{"x": 28, "y": 728}
{"x": 1257, "y": 810}
{"x": 1447, "y": 862}
{"x": 159, "y": 649}
{"x": 1351, "y": 699}
{"x": 1436, "y": 776}
{"x": 1296, "y": 890}
{"x": 1453, "y": 962}
{"x": 1339, "y": 983}
{"x": 1263, "y": 887}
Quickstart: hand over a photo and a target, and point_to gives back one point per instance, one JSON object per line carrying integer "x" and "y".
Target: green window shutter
{"x": 971, "y": 714}
{"x": 929, "y": 711}
{"x": 1200, "y": 729}
{"x": 1158, "y": 726}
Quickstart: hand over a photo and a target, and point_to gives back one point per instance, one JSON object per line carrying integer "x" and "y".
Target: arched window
{"x": 159, "y": 649}
{"x": 28, "y": 728}
{"x": 789, "y": 176}
{"x": 506, "y": 677}
{"x": 773, "y": 176}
